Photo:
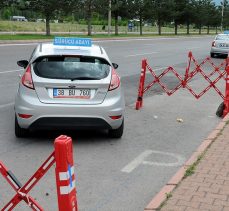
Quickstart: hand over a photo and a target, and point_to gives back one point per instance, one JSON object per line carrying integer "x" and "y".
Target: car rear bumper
{"x": 219, "y": 51}
{"x": 59, "y": 116}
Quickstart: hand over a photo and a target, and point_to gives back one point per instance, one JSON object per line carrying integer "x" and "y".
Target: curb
{"x": 50, "y": 40}
{"x": 94, "y": 39}
{"x": 164, "y": 193}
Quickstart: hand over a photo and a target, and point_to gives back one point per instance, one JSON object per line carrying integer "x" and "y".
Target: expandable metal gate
{"x": 65, "y": 179}
{"x": 183, "y": 81}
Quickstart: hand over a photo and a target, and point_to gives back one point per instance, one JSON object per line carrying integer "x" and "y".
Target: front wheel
{"x": 117, "y": 133}
{"x": 20, "y": 132}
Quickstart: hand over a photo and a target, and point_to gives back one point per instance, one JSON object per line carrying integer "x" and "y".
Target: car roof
{"x": 223, "y": 35}
{"x": 49, "y": 49}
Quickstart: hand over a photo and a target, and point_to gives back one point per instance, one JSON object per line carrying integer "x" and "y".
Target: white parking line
{"x": 142, "y": 54}
{"x": 140, "y": 160}
{"x": 11, "y": 71}
{"x": 157, "y": 69}
{"x": 136, "y": 162}
{"x": 6, "y": 105}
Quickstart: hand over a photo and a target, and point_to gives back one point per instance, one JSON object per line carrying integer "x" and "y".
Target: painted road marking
{"x": 141, "y": 160}
{"x": 6, "y": 105}
{"x": 157, "y": 69}
{"x": 142, "y": 54}
{"x": 11, "y": 71}
{"x": 136, "y": 162}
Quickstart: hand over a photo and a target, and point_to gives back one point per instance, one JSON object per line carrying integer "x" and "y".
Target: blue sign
{"x": 72, "y": 41}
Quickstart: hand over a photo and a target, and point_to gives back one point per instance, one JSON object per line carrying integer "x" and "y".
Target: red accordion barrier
{"x": 184, "y": 80}
{"x": 65, "y": 179}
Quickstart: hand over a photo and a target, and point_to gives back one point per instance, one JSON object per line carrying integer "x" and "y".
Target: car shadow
{"x": 78, "y": 136}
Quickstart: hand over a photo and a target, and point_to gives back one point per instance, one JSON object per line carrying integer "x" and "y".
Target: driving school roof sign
{"x": 72, "y": 41}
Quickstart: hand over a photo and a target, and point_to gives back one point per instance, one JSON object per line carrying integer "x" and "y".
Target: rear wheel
{"x": 212, "y": 55}
{"x": 220, "y": 110}
{"x": 117, "y": 133}
{"x": 20, "y": 132}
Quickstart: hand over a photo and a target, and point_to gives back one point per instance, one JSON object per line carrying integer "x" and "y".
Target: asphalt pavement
{"x": 107, "y": 176}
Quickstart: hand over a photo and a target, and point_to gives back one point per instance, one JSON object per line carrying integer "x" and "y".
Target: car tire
{"x": 20, "y": 132}
{"x": 220, "y": 110}
{"x": 212, "y": 55}
{"x": 117, "y": 133}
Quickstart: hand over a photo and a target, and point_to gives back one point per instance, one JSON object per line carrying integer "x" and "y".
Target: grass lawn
{"x": 36, "y": 30}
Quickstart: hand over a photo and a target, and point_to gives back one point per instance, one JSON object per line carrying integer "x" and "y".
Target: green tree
{"x": 162, "y": 11}
{"x": 180, "y": 13}
{"x": 211, "y": 15}
{"x": 118, "y": 9}
{"x": 224, "y": 13}
{"x": 5, "y": 7}
{"x": 51, "y": 8}
{"x": 89, "y": 7}
{"x": 200, "y": 13}
{"x": 137, "y": 7}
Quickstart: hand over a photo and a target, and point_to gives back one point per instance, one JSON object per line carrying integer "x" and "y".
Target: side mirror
{"x": 115, "y": 65}
{"x": 23, "y": 63}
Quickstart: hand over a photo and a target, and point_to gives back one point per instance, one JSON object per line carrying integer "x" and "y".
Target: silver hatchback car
{"x": 67, "y": 86}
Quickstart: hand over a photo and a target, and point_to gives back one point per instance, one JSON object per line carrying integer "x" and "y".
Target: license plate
{"x": 72, "y": 93}
{"x": 224, "y": 45}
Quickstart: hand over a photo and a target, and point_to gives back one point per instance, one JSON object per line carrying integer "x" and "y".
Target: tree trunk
{"x": 89, "y": 27}
{"x": 159, "y": 27}
{"x": 208, "y": 30}
{"x": 47, "y": 23}
{"x": 188, "y": 27}
{"x": 140, "y": 23}
{"x": 216, "y": 30}
{"x": 116, "y": 23}
{"x": 200, "y": 29}
{"x": 175, "y": 25}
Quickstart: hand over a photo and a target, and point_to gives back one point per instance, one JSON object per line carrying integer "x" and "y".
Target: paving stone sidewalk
{"x": 208, "y": 187}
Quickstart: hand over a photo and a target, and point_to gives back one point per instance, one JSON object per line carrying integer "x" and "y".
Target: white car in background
{"x": 220, "y": 45}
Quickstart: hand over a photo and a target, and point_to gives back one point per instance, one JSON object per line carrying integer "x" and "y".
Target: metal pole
{"x": 222, "y": 14}
{"x": 109, "y": 18}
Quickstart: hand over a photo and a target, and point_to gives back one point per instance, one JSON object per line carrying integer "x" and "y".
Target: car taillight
{"x": 25, "y": 116}
{"x": 115, "y": 80}
{"x": 27, "y": 78}
{"x": 213, "y": 44}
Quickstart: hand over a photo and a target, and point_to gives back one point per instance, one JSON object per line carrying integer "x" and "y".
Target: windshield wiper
{"x": 84, "y": 78}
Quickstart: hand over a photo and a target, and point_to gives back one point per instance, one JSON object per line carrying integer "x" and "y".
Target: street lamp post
{"x": 109, "y": 18}
{"x": 222, "y": 14}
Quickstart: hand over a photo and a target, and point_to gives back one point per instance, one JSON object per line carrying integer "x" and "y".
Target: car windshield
{"x": 222, "y": 37}
{"x": 71, "y": 67}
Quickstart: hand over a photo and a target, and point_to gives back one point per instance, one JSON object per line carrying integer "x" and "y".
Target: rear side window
{"x": 71, "y": 67}
{"x": 222, "y": 37}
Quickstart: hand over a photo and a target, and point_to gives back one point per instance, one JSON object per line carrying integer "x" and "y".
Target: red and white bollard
{"x": 139, "y": 102}
{"x": 65, "y": 177}
{"x": 226, "y": 100}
